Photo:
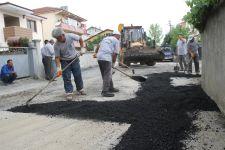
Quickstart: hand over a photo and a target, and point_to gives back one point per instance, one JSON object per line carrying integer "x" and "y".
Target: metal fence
{"x": 13, "y": 50}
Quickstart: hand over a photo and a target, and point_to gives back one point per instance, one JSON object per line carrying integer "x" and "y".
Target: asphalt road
{"x": 122, "y": 122}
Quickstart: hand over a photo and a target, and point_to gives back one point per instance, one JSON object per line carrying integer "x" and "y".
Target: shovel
{"x": 136, "y": 78}
{"x": 28, "y": 101}
{"x": 124, "y": 65}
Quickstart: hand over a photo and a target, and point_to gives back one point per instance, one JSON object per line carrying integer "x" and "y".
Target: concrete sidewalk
{"x": 20, "y": 85}
{"x": 28, "y": 84}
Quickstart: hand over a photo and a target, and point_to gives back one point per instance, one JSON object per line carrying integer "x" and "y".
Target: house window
{"x": 32, "y": 25}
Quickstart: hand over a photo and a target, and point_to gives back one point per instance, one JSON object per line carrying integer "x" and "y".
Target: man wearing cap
{"x": 182, "y": 52}
{"x": 65, "y": 52}
{"x": 192, "y": 48}
{"x": 106, "y": 54}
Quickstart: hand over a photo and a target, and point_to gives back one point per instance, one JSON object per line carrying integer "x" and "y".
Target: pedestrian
{"x": 193, "y": 54}
{"x": 106, "y": 54}
{"x": 65, "y": 52}
{"x": 48, "y": 56}
{"x": 181, "y": 52}
{"x": 53, "y": 64}
{"x": 8, "y": 75}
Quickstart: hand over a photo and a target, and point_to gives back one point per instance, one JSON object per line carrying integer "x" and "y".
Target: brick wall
{"x": 17, "y": 31}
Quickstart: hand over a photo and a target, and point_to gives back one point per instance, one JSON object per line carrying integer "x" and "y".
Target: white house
{"x": 61, "y": 17}
{"x": 18, "y": 21}
{"x": 93, "y": 31}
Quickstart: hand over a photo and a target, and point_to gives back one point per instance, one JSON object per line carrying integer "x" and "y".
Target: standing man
{"x": 65, "y": 52}
{"x": 43, "y": 58}
{"x": 106, "y": 54}
{"x": 8, "y": 75}
{"x": 48, "y": 55}
{"x": 192, "y": 47}
{"x": 53, "y": 64}
{"x": 182, "y": 52}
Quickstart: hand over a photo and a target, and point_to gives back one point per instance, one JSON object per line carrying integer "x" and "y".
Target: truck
{"x": 135, "y": 49}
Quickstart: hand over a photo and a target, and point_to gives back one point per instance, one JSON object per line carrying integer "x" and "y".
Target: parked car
{"x": 168, "y": 53}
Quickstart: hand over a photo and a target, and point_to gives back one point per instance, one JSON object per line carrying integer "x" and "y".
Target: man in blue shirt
{"x": 8, "y": 75}
{"x": 192, "y": 48}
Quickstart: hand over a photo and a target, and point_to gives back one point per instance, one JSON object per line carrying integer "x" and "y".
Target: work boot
{"x": 114, "y": 90}
{"x": 81, "y": 92}
{"x": 107, "y": 94}
{"x": 69, "y": 96}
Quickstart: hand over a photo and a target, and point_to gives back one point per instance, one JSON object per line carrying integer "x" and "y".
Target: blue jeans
{"x": 74, "y": 68}
{"x": 54, "y": 68}
{"x": 8, "y": 79}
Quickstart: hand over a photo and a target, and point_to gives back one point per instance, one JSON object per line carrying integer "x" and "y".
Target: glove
{"x": 192, "y": 55}
{"x": 82, "y": 51}
{"x": 95, "y": 55}
{"x": 59, "y": 71}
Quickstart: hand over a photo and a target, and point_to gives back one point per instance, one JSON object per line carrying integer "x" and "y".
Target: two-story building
{"x": 61, "y": 17}
{"x": 91, "y": 31}
{"x": 18, "y": 21}
{"x": 102, "y": 34}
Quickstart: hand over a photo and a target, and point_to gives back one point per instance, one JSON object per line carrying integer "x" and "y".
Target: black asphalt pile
{"x": 160, "y": 116}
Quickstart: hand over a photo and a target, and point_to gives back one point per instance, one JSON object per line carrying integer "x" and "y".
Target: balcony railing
{"x": 16, "y": 31}
{"x": 69, "y": 28}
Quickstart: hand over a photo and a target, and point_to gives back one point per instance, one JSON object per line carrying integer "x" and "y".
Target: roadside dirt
{"x": 161, "y": 116}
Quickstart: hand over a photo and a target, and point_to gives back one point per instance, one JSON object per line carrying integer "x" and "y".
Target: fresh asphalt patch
{"x": 161, "y": 116}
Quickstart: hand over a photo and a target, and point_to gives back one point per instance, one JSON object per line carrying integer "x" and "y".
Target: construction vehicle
{"x": 134, "y": 48}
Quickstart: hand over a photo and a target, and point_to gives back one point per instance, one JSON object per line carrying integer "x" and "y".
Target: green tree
{"x": 149, "y": 42}
{"x": 172, "y": 37}
{"x": 96, "y": 41}
{"x": 155, "y": 33}
{"x": 167, "y": 39}
{"x": 200, "y": 11}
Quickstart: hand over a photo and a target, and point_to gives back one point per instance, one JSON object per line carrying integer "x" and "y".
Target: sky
{"x": 107, "y": 14}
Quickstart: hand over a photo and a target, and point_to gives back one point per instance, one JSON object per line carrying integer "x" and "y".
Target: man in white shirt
{"x": 182, "y": 51}
{"x": 48, "y": 56}
{"x": 106, "y": 54}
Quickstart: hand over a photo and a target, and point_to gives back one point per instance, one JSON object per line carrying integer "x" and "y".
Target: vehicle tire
{"x": 151, "y": 63}
{"x": 142, "y": 63}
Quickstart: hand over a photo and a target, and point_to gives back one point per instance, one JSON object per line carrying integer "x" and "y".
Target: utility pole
{"x": 170, "y": 25}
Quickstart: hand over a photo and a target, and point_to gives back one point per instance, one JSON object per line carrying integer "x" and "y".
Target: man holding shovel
{"x": 65, "y": 53}
{"x": 107, "y": 53}
{"x": 192, "y": 48}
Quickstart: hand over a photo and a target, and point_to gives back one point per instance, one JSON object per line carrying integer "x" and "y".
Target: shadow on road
{"x": 160, "y": 116}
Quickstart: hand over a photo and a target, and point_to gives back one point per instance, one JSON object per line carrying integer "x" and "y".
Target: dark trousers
{"x": 9, "y": 79}
{"x": 196, "y": 63}
{"x": 47, "y": 62}
{"x": 106, "y": 71}
{"x": 74, "y": 68}
{"x": 182, "y": 62}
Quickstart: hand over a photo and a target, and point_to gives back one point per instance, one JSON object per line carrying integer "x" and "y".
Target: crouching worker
{"x": 8, "y": 75}
{"x": 65, "y": 52}
{"x": 106, "y": 54}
